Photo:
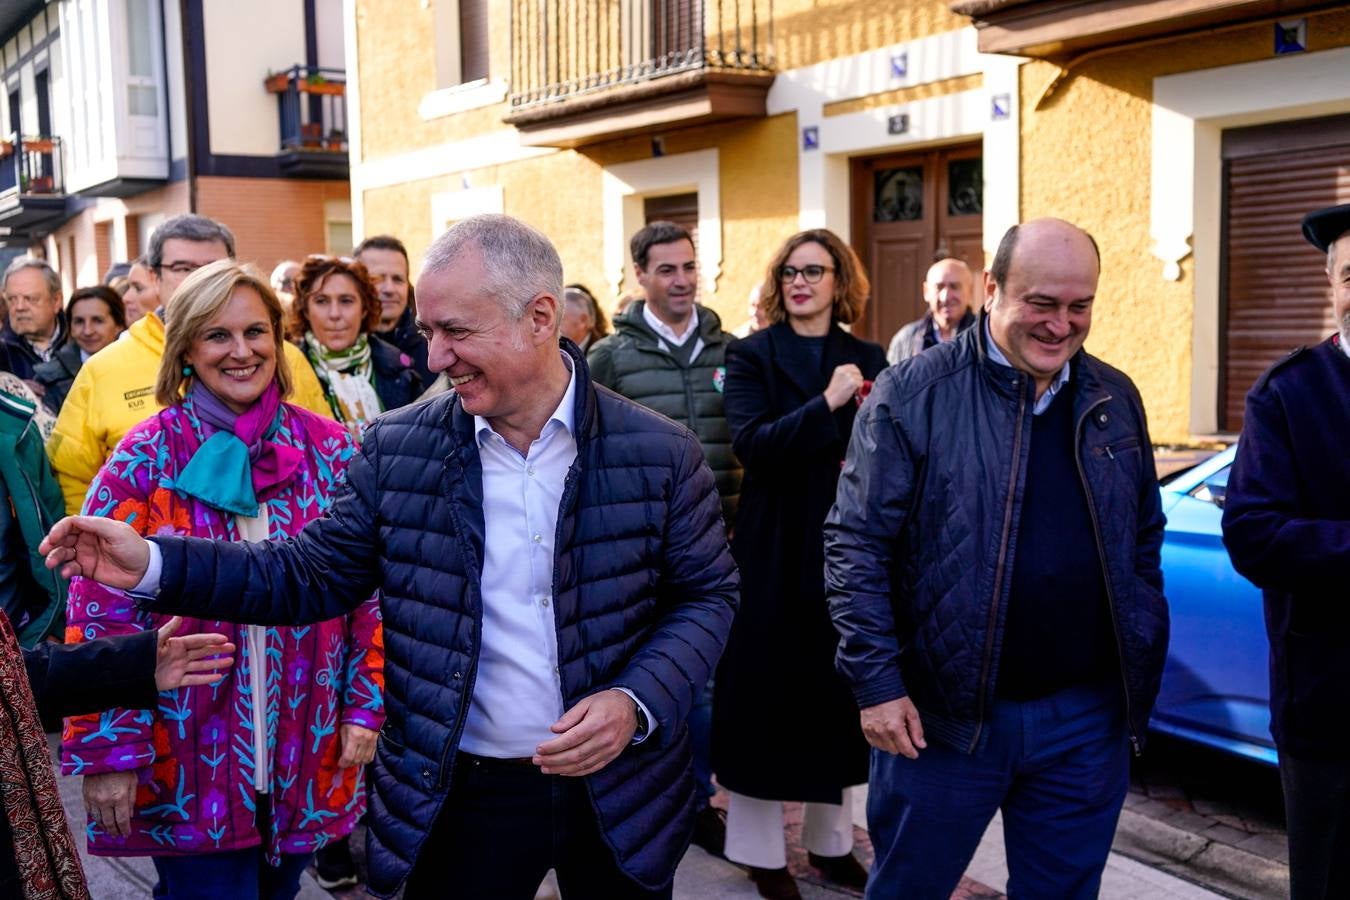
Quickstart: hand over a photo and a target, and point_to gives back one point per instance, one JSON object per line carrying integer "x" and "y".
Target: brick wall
{"x": 272, "y": 218}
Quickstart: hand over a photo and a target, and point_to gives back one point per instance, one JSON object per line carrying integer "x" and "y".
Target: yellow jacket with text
{"x": 115, "y": 390}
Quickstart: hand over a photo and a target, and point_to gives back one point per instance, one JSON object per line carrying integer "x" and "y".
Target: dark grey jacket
{"x": 57, "y": 374}
{"x": 631, "y": 362}
{"x": 917, "y": 337}
{"x": 920, "y": 545}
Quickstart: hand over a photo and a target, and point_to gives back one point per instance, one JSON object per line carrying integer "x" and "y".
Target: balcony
{"x": 592, "y": 70}
{"x": 32, "y": 188}
{"x": 1059, "y": 30}
{"x": 312, "y": 106}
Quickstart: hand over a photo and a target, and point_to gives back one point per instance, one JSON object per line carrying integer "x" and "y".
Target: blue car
{"x": 1215, "y": 688}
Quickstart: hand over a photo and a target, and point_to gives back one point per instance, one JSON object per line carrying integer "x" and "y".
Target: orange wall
{"x": 272, "y": 219}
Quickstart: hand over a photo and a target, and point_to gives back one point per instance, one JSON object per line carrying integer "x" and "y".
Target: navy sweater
{"x": 1058, "y": 633}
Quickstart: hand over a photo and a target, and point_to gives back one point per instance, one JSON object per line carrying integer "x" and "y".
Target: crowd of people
{"x": 523, "y": 584}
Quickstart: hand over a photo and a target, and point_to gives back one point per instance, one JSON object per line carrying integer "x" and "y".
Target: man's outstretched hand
{"x": 104, "y": 550}
{"x": 191, "y": 660}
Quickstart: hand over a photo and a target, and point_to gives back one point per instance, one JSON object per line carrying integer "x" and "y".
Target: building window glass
{"x": 142, "y": 96}
{"x": 461, "y": 41}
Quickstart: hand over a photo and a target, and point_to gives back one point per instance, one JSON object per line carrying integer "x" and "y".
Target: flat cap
{"x": 1323, "y": 227}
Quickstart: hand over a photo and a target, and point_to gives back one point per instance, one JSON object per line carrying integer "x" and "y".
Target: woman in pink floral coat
{"x": 229, "y": 787}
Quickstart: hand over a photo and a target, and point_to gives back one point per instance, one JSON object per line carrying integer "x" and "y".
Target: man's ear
{"x": 990, "y": 291}
{"x": 545, "y": 312}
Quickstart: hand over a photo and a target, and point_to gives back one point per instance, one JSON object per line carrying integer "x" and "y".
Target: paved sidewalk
{"x": 700, "y": 876}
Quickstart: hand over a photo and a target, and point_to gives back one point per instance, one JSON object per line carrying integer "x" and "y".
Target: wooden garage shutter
{"x": 1275, "y": 292}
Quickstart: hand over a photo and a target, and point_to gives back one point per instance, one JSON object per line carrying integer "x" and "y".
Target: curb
{"x": 1220, "y": 867}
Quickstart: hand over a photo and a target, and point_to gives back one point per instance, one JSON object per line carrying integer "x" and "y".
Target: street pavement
{"x": 700, "y": 876}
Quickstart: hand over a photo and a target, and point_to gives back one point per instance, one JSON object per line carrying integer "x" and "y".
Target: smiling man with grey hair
{"x": 555, "y": 583}
{"x": 35, "y": 325}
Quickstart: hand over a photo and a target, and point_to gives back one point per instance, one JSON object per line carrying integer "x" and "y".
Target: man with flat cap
{"x": 1287, "y": 528}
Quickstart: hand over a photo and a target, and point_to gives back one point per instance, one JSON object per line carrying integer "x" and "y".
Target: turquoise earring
{"x": 187, "y": 370}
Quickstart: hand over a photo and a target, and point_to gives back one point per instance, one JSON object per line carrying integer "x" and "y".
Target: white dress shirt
{"x": 517, "y": 694}
{"x": 1042, "y": 402}
{"x": 668, "y": 335}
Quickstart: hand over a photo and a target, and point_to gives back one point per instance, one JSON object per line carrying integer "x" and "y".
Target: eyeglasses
{"x": 328, "y": 257}
{"x": 180, "y": 268}
{"x": 812, "y": 274}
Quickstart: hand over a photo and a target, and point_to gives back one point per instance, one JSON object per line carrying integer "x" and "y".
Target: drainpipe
{"x": 168, "y": 108}
{"x": 189, "y": 119}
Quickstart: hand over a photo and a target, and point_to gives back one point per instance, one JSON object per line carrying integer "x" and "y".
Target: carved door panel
{"x": 909, "y": 211}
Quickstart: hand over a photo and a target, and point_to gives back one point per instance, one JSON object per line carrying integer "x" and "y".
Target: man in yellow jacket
{"x": 115, "y": 388}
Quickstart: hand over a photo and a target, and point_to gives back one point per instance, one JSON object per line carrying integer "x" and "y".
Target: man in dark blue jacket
{"x": 992, "y": 565}
{"x": 555, "y": 585}
{"x": 1286, "y": 524}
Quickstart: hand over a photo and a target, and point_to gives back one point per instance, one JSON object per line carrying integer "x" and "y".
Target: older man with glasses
{"x": 35, "y": 327}
{"x": 115, "y": 389}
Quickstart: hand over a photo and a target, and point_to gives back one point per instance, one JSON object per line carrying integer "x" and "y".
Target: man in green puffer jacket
{"x": 669, "y": 354}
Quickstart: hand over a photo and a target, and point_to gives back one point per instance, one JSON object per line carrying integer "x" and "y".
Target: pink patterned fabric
{"x": 194, "y": 754}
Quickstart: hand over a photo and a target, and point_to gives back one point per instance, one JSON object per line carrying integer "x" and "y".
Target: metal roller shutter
{"x": 1275, "y": 293}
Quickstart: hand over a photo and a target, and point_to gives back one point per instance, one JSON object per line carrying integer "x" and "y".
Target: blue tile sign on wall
{"x": 1000, "y": 107}
{"x": 1291, "y": 36}
{"x": 899, "y": 65}
{"x": 811, "y": 138}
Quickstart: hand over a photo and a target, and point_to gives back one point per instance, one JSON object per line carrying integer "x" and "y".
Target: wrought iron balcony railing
{"x": 564, "y": 49}
{"x": 31, "y": 163}
{"x": 312, "y": 106}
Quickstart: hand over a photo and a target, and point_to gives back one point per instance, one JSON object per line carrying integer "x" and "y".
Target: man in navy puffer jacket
{"x": 555, "y": 585}
{"x": 992, "y": 564}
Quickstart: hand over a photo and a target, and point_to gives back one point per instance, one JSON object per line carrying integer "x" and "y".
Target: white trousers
{"x": 755, "y": 830}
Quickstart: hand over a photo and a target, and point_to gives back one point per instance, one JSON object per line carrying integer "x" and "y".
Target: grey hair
{"x": 187, "y": 227}
{"x": 33, "y": 262}
{"x": 521, "y": 263}
{"x": 1331, "y": 257}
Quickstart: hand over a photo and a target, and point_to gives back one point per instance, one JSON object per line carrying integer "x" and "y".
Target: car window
{"x": 1213, "y": 489}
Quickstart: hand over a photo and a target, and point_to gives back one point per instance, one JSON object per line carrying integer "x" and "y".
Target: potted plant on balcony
{"x": 311, "y": 134}
{"x": 277, "y": 82}
{"x": 317, "y": 84}
{"x": 336, "y": 140}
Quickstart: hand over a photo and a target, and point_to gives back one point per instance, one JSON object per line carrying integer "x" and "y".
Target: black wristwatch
{"x": 642, "y": 724}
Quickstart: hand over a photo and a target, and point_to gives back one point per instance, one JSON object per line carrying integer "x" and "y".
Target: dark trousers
{"x": 1058, "y": 768}
{"x": 700, "y": 745}
{"x": 234, "y": 874}
{"x": 503, "y": 826}
{"x": 1317, "y": 810}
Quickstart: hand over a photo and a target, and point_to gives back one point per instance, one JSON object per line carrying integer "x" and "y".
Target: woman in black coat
{"x": 785, "y": 726}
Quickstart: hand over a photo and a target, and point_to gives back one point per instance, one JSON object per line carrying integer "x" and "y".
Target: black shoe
{"x": 336, "y": 868}
{"x": 844, "y": 870}
{"x": 710, "y": 830}
{"x": 775, "y": 884}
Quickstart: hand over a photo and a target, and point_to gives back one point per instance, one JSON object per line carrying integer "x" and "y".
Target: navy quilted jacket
{"x": 920, "y": 544}
{"x": 644, "y": 587}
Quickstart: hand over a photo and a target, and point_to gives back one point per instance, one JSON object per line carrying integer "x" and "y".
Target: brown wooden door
{"x": 910, "y": 210}
{"x": 1274, "y": 285}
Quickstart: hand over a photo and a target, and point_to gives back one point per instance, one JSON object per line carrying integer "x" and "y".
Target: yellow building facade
{"x": 884, "y": 121}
